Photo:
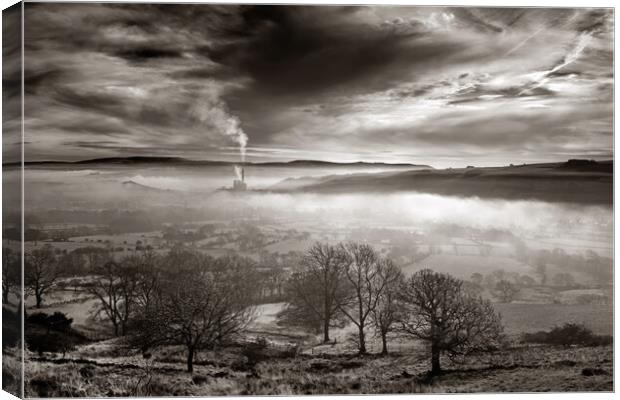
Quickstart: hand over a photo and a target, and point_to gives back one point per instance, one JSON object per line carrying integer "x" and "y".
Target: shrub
{"x": 567, "y": 335}
{"x": 51, "y": 333}
{"x": 39, "y": 318}
{"x": 593, "y": 371}
{"x": 54, "y": 342}
{"x": 11, "y": 328}
{"x": 57, "y": 321}
{"x": 255, "y": 352}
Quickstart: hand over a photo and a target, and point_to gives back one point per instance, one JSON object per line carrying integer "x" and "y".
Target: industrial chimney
{"x": 239, "y": 183}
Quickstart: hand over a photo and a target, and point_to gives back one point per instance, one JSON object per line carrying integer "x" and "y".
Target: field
{"x": 519, "y": 318}
{"x": 463, "y": 266}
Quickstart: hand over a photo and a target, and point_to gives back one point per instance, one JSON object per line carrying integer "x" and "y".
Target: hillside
{"x": 575, "y": 181}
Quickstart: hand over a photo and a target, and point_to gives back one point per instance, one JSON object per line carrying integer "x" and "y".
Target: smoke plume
{"x": 238, "y": 172}
{"x": 213, "y": 113}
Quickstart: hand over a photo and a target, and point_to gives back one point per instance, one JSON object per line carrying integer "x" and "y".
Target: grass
{"x": 518, "y": 318}
{"x": 463, "y": 266}
{"x": 11, "y": 371}
{"x": 97, "y": 370}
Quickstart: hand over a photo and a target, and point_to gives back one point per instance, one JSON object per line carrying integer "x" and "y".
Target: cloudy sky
{"x": 442, "y": 86}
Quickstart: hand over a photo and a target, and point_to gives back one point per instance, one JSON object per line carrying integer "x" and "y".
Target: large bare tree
{"x": 146, "y": 267}
{"x": 40, "y": 273}
{"x": 198, "y": 303}
{"x": 362, "y": 275}
{"x": 386, "y": 313}
{"x": 319, "y": 288}
{"x": 450, "y": 319}
{"x": 115, "y": 290}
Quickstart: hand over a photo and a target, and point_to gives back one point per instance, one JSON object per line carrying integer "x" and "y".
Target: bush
{"x": 255, "y": 352}
{"x": 567, "y": 335}
{"x": 11, "y": 328}
{"x": 53, "y": 342}
{"x": 51, "y": 333}
{"x": 57, "y": 321}
{"x": 38, "y": 318}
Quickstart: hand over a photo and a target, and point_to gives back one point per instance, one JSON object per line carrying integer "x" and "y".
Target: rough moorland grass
{"x": 11, "y": 371}
{"x": 227, "y": 372}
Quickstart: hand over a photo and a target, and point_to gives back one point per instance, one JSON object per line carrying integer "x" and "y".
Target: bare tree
{"x": 72, "y": 263}
{"x": 541, "y": 267}
{"x": 563, "y": 279}
{"x": 477, "y": 278}
{"x": 237, "y": 278}
{"x": 319, "y": 288}
{"x": 387, "y": 311}
{"x": 115, "y": 289}
{"x": 198, "y": 304}
{"x": 505, "y": 291}
{"x": 437, "y": 310}
{"x": 302, "y": 304}
{"x": 93, "y": 256}
{"x": 361, "y": 274}
{"x": 145, "y": 265}
{"x": 11, "y": 272}
{"x": 40, "y": 272}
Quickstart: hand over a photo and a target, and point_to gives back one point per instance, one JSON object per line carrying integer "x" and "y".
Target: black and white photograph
{"x": 250, "y": 199}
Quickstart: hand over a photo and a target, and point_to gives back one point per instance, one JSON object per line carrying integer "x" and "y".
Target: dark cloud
{"x": 289, "y": 51}
{"x": 146, "y": 53}
{"x": 11, "y": 82}
{"x": 34, "y": 80}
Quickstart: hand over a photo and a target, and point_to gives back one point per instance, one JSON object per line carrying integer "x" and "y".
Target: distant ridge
{"x": 184, "y": 161}
{"x": 574, "y": 181}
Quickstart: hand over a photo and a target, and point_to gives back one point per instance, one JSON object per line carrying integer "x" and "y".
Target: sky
{"x": 439, "y": 86}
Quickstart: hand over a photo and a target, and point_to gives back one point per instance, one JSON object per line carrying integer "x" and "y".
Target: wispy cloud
{"x": 389, "y": 83}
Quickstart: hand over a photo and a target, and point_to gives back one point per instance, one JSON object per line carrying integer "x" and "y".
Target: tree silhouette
{"x": 319, "y": 289}
{"x": 40, "y": 273}
{"x": 387, "y": 311}
{"x": 439, "y": 311}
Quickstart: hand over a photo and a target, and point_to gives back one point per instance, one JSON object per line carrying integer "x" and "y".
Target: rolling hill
{"x": 575, "y": 181}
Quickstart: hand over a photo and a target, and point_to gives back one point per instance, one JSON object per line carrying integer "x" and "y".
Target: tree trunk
{"x": 435, "y": 353}
{"x": 362, "y": 344}
{"x": 384, "y": 350}
{"x": 190, "y": 359}
{"x": 326, "y": 330}
{"x": 5, "y": 295}
{"x": 39, "y": 300}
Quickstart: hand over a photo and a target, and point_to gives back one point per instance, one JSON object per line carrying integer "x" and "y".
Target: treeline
{"x": 47, "y": 269}
{"x": 506, "y": 286}
{"x": 351, "y": 283}
{"x": 589, "y": 263}
{"x": 187, "y": 298}
{"x": 182, "y": 297}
